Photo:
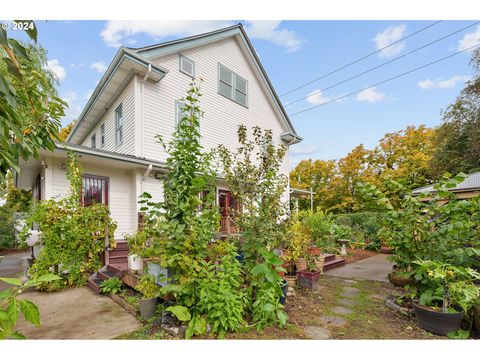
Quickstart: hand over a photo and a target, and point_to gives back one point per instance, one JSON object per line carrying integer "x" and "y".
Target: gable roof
{"x": 124, "y": 65}
{"x": 143, "y": 56}
{"x": 471, "y": 183}
{"x": 237, "y": 31}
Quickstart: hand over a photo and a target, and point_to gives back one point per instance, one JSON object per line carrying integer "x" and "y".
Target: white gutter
{"x": 147, "y": 172}
{"x": 147, "y": 74}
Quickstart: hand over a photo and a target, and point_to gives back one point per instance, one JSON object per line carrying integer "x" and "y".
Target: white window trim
{"x": 177, "y": 104}
{"x": 234, "y": 79}
{"x": 180, "y": 58}
{"x": 118, "y": 142}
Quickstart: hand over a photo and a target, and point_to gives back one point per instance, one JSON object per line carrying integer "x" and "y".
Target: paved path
{"x": 373, "y": 268}
{"x": 75, "y": 313}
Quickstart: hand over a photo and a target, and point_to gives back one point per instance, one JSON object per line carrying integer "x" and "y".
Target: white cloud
{"x": 303, "y": 150}
{"x": 371, "y": 95}
{"x": 441, "y": 83}
{"x": 74, "y": 108}
{"x": 316, "y": 98}
{"x": 117, "y": 31}
{"x": 469, "y": 40}
{"x": 269, "y": 30}
{"x": 99, "y": 66}
{"x": 55, "y": 67}
{"x": 389, "y": 36}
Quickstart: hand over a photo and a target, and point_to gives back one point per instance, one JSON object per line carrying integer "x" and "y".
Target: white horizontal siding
{"x": 154, "y": 187}
{"x": 222, "y": 115}
{"x": 127, "y": 99}
{"x": 122, "y": 203}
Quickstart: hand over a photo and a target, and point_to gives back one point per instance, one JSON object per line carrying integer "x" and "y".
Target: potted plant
{"x": 297, "y": 241}
{"x": 400, "y": 277}
{"x": 314, "y": 251}
{"x": 309, "y": 277}
{"x": 445, "y": 294}
{"x": 135, "y": 246}
{"x": 319, "y": 262}
{"x": 149, "y": 301}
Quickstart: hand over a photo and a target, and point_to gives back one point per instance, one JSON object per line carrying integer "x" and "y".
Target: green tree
{"x": 30, "y": 109}
{"x": 457, "y": 141}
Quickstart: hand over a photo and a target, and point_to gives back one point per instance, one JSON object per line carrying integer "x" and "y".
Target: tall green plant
{"x": 183, "y": 226}
{"x": 253, "y": 175}
{"x": 73, "y": 235}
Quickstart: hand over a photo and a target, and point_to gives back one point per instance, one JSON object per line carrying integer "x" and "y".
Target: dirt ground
{"x": 358, "y": 254}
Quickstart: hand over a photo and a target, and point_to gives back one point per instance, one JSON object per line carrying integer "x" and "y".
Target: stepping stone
{"x": 349, "y": 295}
{"x": 348, "y": 281}
{"x": 347, "y": 302}
{"x": 333, "y": 320}
{"x": 317, "y": 332}
{"x": 341, "y": 310}
{"x": 350, "y": 289}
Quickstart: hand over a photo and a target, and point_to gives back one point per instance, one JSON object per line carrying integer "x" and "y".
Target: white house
{"x": 138, "y": 98}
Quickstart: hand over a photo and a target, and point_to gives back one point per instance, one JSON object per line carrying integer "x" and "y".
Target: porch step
{"x": 121, "y": 245}
{"x": 329, "y": 257}
{"x": 332, "y": 264}
{"x": 105, "y": 273}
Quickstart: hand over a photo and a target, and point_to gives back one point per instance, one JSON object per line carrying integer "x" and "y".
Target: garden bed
{"x": 354, "y": 255}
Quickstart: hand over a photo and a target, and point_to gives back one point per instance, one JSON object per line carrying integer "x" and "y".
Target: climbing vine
{"x": 73, "y": 235}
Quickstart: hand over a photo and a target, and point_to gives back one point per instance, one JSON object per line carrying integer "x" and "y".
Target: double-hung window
{"x": 119, "y": 125}
{"x": 93, "y": 141}
{"x": 179, "y": 111}
{"x": 232, "y": 85}
{"x": 102, "y": 135}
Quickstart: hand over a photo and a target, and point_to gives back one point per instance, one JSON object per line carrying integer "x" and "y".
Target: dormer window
{"x": 187, "y": 66}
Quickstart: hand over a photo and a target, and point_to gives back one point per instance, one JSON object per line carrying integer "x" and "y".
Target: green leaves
{"x": 30, "y": 312}
{"x": 181, "y": 312}
{"x": 11, "y": 281}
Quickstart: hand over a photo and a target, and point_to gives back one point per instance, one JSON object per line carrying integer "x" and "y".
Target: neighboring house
{"x": 467, "y": 189}
{"x": 137, "y": 98}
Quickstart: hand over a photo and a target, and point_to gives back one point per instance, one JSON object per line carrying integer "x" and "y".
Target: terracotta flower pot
{"x": 315, "y": 251}
{"x": 319, "y": 262}
{"x": 301, "y": 264}
{"x": 292, "y": 281}
{"x": 385, "y": 250}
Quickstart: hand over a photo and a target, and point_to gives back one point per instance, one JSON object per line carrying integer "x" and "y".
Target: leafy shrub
{"x": 73, "y": 235}
{"x": 442, "y": 229}
{"x": 365, "y": 227}
{"x": 7, "y": 229}
{"x": 111, "y": 286}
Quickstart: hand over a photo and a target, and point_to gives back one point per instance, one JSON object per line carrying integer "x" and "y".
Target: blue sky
{"x": 293, "y": 53}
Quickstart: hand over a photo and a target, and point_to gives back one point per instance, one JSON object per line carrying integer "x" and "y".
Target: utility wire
{"x": 381, "y": 65}
{"x": 360, "y": 59}
{"x": 385, "y": 81}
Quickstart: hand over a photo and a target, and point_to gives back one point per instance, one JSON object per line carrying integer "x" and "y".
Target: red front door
{"x": 227, "y": 204}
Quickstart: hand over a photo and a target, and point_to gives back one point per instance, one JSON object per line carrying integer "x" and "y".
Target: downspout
{"x": 140, "y": 122}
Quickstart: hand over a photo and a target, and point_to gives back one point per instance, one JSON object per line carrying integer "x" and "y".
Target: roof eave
{"x": 121, "y": 54}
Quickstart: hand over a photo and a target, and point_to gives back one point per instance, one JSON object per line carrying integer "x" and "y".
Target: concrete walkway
{"x": 75, "y": 313}
{"x": 373, "y": 268}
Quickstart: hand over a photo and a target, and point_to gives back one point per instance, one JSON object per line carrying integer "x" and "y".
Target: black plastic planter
{"x": 148, "y": 307}
{"x": 283, "y": 298}
{"x": 438, "y": 323}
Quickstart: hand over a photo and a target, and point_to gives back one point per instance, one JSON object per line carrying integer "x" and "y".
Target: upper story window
{"x": 232, "y": 85}
{"x": 187, "y": 66}
{"x": 179, "y": 112}
{"x": 102, "y": 135}
{"x": 119, "y": 125}
{"x": 93, "y": 141}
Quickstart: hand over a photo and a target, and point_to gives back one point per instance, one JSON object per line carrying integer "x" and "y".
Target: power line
{"x": 381, "y": 65}
{"x": 360, "y": 59}
{"x": 384, "y": 81}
